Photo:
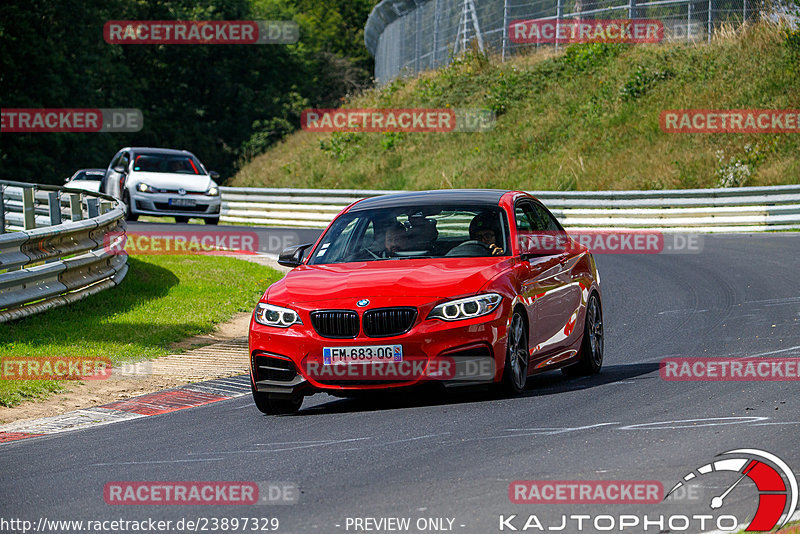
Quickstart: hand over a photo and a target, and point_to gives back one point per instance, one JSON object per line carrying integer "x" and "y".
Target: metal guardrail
{"x": 54, "y": 248}
{"x": 742, "y": 209}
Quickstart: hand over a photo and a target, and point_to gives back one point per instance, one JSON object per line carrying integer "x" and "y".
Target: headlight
{"x": 270, "y": 315}
{"x": 144, "y": 188}
{"x": 213, "y": 192}
{"x": 467, "y": 308}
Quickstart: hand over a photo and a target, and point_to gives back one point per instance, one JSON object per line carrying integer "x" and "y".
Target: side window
{"x": 527, "y": 219}
{"x": 124, "y": 159}
{"x": 545, "y": 219}
{"x": 368, "y": 240}
{"x": 115, "y": 161}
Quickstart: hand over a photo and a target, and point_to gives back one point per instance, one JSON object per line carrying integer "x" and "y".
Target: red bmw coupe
{"x": 432, "y": 285}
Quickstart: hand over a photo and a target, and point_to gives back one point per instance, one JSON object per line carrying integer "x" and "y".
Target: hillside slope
{"x": 581, "y": 119}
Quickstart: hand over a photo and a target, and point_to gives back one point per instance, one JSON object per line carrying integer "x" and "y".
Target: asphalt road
{"x": 454, "y": 455}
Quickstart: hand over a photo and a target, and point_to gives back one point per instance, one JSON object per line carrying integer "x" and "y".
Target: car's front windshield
{"x": 167, "y": 163}
{"x": 90, "y": 175}
{"x": 406, "y": 232}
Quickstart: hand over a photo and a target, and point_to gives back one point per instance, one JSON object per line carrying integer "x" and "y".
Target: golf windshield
{"x": 167, "y": 163}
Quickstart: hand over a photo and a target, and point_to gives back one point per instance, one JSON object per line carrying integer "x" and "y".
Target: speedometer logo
{"x": 776, "y": 483}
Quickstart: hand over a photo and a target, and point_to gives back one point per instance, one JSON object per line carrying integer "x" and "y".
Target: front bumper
{"x": 159, "y": 204}
{"x": 289, "y": 361}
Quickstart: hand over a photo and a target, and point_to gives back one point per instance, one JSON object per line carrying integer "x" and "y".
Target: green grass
{"x": 585, "y": 118}
{"x": 163, "y": 299}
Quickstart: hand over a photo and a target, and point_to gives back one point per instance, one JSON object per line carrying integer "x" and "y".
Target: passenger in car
{"x": 396, "y": 240}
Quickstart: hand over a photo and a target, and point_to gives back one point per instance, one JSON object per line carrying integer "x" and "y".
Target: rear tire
{"x": 590, "y": 358}
{"x": 515, "y": 371}
{"x": 181, "y": 220}
{"x": 269, "y": 405}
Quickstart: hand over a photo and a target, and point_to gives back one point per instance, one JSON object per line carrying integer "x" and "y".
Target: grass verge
{"x": 163, "y": 299}
{"x": 585, "y": 118}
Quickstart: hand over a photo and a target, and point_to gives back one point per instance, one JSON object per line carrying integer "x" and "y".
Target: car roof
{"x": 165, "y": 151}
{"x": 487, "y": 197}
{"x": 93, "y": 171}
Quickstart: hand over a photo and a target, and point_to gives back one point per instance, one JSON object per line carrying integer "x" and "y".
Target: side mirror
{"x": 120, "y": 169}
{"x": 293, "y": 256}
{"x": 66, "y": 180}
{"x": 214, "y": 175}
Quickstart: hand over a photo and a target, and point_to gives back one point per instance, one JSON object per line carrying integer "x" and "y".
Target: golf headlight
{"x": 213, "y": 192}
{"x": 270, "y": 315}
{"x": 144, "y": 188}
{"x": 466, "y": 308}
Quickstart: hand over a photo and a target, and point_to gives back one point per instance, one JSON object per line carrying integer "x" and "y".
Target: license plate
{"x": 182, "y": 202}
{"x": 362, "y": 354}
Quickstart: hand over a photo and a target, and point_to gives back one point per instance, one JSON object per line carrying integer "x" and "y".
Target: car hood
{"x": 167, "y": 180}
{"x": 438, "y": 278}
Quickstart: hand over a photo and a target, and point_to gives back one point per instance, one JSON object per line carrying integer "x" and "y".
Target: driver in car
{"x": 484, "y": 228}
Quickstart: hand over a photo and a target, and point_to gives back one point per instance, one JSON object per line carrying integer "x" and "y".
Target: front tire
{"x": 181, "y": 220}
{"x": 269, "y": 405}
{"x": 214, "y": 220}
{"x": 515, "y": 372}
{"x": 129, "y": 215}
{"x": 590, "y": 358}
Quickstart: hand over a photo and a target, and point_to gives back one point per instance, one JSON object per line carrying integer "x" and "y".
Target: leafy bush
{"x": 390, "y": 139}
{"x": 736, "y": 171}
{"x": 642, "y": 81}
{"x": 342, "y": 145}
{"x": 587, "y": 56}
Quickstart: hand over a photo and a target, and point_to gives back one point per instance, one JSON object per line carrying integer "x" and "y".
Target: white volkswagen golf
{"x": 163, "y": 182}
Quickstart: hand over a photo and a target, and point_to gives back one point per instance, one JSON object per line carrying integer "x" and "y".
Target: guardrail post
{"x": 91, "y": 208}
{"x": 559, "y": 14}
{"x": 28, "y": 209}
{"x": 436, "y": 16}
{"x": 75, "y": 208}
{"x": 709, "y": 21}
{"x": 505, "y": 30}
{"x": 54, "y": 203}
{"x": 2, "y": 211}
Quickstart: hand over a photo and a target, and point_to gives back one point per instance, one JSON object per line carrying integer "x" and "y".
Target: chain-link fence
{"x": 409, "y": 36}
